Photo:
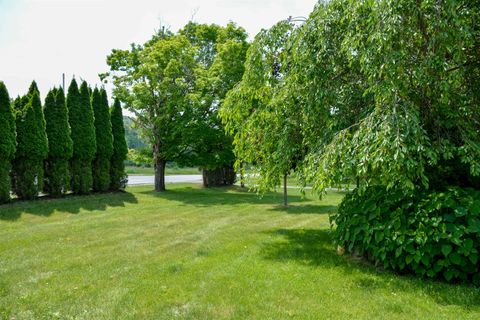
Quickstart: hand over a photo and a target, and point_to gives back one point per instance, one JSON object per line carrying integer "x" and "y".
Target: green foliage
{"x": 155, "y": 81}
{"x": 132, "y": 134}
{"x": 266, "y": 129}
{"x": 7, "y": 142}
{"x": 120, "y": 150}
{"x": 225, "y": 50}
{"x": 32, "y": 145}
{"x": 104, "y": 139}
{"x": 140, "y": 157}
{"x": 80, "y": 116}
{"x": 60, "y": 145}
{"x": 386, "y": 93}
{"x": 431, "y": 234}
{"x": 7, "y": 125}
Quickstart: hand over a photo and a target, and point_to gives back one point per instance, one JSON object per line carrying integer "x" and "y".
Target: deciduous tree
{"x": 263, "y": 133}
{"x": 221, "y": 53}
{"x": 155, "y": 81}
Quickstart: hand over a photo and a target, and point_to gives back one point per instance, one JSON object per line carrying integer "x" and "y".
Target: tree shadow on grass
{"x": 205, "y": 197}
{"x": 70, "y": 204}
{"x": 314, "y": 248}
{"x": 306, "y": 209}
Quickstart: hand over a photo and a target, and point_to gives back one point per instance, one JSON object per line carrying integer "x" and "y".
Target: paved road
{"x": 135, "y": 180}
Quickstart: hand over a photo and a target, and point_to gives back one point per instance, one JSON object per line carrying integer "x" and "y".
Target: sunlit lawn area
{"x": 194, "y": 253}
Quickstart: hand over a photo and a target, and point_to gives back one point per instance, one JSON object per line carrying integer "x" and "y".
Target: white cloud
{"x": 41, "y": 39}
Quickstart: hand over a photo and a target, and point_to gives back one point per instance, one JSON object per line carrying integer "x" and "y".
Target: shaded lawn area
{"x": 194, "y": 253}
{"x": 131, "y": 170}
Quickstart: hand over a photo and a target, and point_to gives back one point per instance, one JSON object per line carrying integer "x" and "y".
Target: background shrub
{"x": 431, "y": 234}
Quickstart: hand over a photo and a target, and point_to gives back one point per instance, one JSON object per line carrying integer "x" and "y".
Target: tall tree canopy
{"x": 221, "y": 53}
{"x": 7, "y": 142}
{"x": 104, "y": 139}
{"x": 32, "y": 145}
{"x": 83, "y": 137}
{"x": 154, "y": 81}
{"x": 60, "y": 145}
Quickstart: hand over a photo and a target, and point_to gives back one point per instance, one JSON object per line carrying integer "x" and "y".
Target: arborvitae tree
{"x": 80, "y": 116}
{"x": 103, "y": 131}
{"x": 7, "y": 143}
{"x": 60, "y": 146}
{"x": 120, "y": 150}
{"x": 32, "y": 147}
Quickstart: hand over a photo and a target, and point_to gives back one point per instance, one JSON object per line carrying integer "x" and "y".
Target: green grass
{"x": 169, "y": 170}
{"x": 193, "y": 253}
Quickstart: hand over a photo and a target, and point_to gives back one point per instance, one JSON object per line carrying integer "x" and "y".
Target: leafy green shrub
{"x": 432, "y": 234}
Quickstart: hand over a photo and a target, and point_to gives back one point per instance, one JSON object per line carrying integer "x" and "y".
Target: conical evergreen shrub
{"x": 32, "y": 145}
{"x": 103, "y": 132}
{"x": 60, "y": 145}
{"x": 7, "y": 143}
{"x": 120, "y": 149}
{"x": 83, "y": 136}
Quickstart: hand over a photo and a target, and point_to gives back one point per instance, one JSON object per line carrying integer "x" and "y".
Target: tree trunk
{"x": 242, "y": 176}
{"x": 223, "y": 176}
{"x": 159, "y": 170}
{"x": 285, "y": 195}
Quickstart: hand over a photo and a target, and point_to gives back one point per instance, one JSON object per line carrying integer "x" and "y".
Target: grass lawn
{"x": 168, "y": 170}
{"x": 193, "y": 253}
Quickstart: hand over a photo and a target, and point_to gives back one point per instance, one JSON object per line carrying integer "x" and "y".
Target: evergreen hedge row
{"x": 72, "y": 144}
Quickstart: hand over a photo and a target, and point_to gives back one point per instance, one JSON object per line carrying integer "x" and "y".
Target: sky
{"x": 41, "y": 39}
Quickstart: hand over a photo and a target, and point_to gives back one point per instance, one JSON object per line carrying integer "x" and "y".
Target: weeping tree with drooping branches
{"x": 265, "y": 130}
{"x": 388, "y": 94}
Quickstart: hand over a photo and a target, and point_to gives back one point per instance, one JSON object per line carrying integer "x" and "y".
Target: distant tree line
{"x": 75, "y": 143}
